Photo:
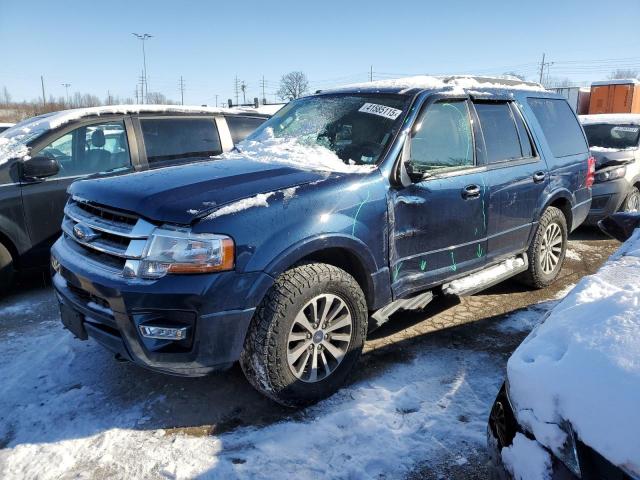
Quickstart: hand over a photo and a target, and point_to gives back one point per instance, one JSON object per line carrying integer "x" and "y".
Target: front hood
{"x": 611, "y": 157}
{"x": 183, "y": 193}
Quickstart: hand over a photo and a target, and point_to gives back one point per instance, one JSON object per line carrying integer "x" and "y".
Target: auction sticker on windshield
{"x": 380, "y": 110}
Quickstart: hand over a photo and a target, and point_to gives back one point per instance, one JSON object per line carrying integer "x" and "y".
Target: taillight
{"x": 591, "y": 172}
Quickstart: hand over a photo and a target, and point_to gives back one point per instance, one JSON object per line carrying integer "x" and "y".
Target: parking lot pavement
{"x": 416, "y": 408}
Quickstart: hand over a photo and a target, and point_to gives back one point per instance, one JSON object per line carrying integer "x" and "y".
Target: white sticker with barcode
{"x": 380, "y": 110}
{"x": 627, "y": 129}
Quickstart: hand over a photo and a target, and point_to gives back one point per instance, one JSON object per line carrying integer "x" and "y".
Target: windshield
{"x": 606, "y": 135}
{"x": 353, "y": 129}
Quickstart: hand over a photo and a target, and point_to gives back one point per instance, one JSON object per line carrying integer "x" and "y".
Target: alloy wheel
{"x": 319, "y": 338}
{"x": 551, "y": 248}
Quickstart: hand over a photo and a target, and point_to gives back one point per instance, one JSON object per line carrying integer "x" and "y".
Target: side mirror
{"x": 40, "y": 167}
{"x": 620, "y": 225}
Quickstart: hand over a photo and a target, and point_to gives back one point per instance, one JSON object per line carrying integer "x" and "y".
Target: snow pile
{"x": 268, "y": 148}
{"x": 583, "y": 364}
{"x": 595, "y": 148}
{"x": 460, "y": 82}
{"x": 12, "y": 147}
{"x": 526, "y": 459}
{"x": 259, "y": 200}
{"x": 610, "y": 118}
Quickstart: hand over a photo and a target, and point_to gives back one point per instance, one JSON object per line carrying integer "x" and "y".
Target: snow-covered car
{"x": 5, "y": 126}
{"x": 614, "y": 140}
{"x": 569, "y": 407}
{"x": 40, "y": 157}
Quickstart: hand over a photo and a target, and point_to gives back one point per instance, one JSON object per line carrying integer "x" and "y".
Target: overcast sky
{"x": 89, "y": 43}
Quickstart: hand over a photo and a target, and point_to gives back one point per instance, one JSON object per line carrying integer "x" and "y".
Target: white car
{"x": 614, "y": 140}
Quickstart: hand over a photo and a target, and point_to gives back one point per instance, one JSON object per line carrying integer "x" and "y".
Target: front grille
{"x": 105, "y": 235}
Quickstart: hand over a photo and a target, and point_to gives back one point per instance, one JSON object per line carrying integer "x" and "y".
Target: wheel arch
{"x": 563, "y": 201}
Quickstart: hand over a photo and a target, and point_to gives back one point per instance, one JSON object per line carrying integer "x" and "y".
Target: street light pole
{"x": 66, "y": 86}
{"x": 143, "y": 37}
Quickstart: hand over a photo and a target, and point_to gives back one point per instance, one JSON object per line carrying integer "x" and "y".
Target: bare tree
{"x": 293, "y": 85}
{"x": 158, "y": 98}
{"x": 621, "y": 73}
{"x": 5, "y": 98}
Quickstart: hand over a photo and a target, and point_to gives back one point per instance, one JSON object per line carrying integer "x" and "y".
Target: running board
{"x": 487, "y": 278}
{"x": 414, "y": 303}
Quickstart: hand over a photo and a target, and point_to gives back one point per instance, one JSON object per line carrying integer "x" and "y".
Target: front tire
{"x": 548, "y": 249}
{"x": 7, "y": 270}
{"x": 306, "y": 335}
{"x": 632, "y": 202}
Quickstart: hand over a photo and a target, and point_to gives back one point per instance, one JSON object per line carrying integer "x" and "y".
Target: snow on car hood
{"x": 295, "y": 152}
{"x": 583, "y": 364}
{"x": 182, "y": 193}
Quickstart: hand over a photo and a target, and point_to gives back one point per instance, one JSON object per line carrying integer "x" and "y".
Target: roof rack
{"x": 507, "y": 81}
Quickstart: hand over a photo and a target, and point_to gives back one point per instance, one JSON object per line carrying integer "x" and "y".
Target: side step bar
{"x": 414, "y": 303}
{"x": 487, "y": 278}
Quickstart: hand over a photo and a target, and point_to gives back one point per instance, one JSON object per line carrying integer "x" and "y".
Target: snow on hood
{"x": 583, "y": 364}
{"x": 610, "y": 118}
{"x": 267, "y": 148}
{"x": 457, "y": 82}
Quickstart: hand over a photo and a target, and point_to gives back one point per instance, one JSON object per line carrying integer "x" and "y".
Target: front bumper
{"x": 216, "y": 307}
{"x": 607, "y": 198}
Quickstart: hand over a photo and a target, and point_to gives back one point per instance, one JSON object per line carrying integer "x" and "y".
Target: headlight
{"x": 612, "y": 173}
{"x": 180, "y": 251}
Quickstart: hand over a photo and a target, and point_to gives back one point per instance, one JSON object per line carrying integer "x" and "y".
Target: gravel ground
{"x": 225, "y": 402}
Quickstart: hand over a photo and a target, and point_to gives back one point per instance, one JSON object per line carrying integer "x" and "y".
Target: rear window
{"x": 499, "y": 131}
{"x": 241, "y": 127}
{"x": 560, "y": 126}
{"x": 172, "y": 140}
{"x": 612, "y": 136}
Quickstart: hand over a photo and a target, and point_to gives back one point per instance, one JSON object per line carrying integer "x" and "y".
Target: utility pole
{"x": 141, "y": 82}
{"x": 144, "y": 37}
{"x": 544, "y": 64}
{"x": 216, "y": 101}
{"x": 66, "y": 86}
{"x": 264, "y": 98}
{"x": 371, "y": 74}
{"x": 237, "y": 89}
{"x": 181, "y": 90}
{"x": 137, "y": 101}
{"x": 44, "y": 99}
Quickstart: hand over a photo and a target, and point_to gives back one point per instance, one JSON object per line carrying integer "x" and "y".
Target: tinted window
{"x": 612, "y": 136}
{"x": 90, "y": 149}
{"x": 241, "y": 127}
{"x": 525, "y": 140}
{"x": 559, "y": 125}
{"x": 443, "y": 138}
{"x": 169, "y": 140}
{"x": 499, "y": 131}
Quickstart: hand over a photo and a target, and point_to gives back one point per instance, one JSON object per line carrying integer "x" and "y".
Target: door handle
{"x": 539, "y": 177}
{"x": 470, "y": 191}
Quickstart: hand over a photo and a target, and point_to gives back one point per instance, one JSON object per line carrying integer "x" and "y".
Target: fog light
{"x": 163, "y": 333}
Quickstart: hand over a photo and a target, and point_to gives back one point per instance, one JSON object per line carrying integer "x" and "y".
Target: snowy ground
{"x": 416, "y": 409}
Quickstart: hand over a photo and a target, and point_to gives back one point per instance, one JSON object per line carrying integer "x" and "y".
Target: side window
{"x": 442, "y": 138}
{"x": 560, "y": 126}
{"x": 241, "y": 127}
{"x": 499, "y": 130}
{"x": 525, "y": 140}
{"x": 89, "y": 149}
{"x": 174, "y": 140}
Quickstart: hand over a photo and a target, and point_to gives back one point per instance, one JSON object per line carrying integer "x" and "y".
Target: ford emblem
{"x": 84, "y": 233}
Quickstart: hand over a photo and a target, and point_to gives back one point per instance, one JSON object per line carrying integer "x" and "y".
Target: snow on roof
{"x": 6, "y": 124}
{"x": 622, "y": 81}
{"x": 58, "y": 119}
{"x": 263, "y": 109}
{"x": 582, "y": 365}
{"x": 612, "y": 118}
{"x": 426, "y": 82}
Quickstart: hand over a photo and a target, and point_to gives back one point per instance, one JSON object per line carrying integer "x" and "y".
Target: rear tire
{"x": 7, "y": 270}
{"x": 632, "y": 202}
{"x": 547, "y": 251}
{"x": 306, "y": 336}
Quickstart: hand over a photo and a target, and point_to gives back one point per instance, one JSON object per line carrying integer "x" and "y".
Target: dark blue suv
{"x": 345, "y": 207}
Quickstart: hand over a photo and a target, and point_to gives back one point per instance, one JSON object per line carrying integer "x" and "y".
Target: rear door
{"x": 516, "y": 177}
{"x": 438, "y": 222}
{"x": 80, "y": 151}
